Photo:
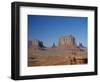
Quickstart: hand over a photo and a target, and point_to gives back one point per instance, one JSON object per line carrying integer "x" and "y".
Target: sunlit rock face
{"x": 35, "y": 44}
{"x": 67, "y": 41}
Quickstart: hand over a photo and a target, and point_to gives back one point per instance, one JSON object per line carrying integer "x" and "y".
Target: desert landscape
{"x": 66, "y": 52}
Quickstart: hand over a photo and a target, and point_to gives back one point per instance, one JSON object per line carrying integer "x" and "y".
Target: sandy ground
{"x": 56, "y": 56}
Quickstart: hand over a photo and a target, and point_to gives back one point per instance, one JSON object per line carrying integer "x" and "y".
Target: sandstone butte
{"x": 67, "y": 52}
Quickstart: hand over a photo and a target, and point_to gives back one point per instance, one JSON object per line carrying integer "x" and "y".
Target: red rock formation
{"x": 67, "y": 42}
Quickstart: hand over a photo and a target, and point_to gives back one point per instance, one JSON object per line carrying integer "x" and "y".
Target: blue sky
{"x": 50, "y": 28}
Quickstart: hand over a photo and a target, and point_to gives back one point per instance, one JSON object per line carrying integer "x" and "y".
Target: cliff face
{"x": 67, "y": 41}
{"x": 35, "y": 44}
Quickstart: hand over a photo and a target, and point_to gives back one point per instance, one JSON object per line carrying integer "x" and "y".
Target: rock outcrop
{"x": 67, "y": 41}
{"x": 36, "y": 44}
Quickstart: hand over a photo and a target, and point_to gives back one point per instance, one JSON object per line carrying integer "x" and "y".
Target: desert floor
{"x": 56, "y": 56}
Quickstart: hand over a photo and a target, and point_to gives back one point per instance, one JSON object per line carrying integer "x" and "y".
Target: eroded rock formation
{"x": 67, "y": 41}
{"x": 36, "y": 44}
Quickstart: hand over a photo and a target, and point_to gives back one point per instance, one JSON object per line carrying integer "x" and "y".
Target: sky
{"x": 50, "y": 28}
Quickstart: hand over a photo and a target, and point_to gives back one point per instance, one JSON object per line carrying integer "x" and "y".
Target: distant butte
{"x": 67, "y": 42}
